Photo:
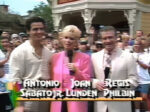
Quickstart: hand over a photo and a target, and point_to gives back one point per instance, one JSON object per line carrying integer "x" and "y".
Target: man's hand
{"x": 1, "y": 72}
{"x": 19, "y": 109}
{"x": 100, "y": 86}
{"x": 9, "y": 50}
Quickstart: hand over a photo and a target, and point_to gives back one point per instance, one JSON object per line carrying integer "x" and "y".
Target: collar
{"x": 33, "y": 49}
{"x": 114, "y": 51}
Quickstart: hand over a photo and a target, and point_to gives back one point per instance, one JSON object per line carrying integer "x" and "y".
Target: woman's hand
{"x": 72, "y": 66}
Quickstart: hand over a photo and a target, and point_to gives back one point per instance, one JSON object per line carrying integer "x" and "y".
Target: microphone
{"x": 106, "y": 72}
{"x": 70, "y": 55}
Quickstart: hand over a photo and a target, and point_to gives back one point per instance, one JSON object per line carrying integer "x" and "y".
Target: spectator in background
{"x": 6, "y": 53}
{"x": 143, "y": 64}
{"x": 148, "y": 39}
{"x": 5, "y": 34}
{"x": 93, "y": 48}
{"x": 131, "y": 41}
{"x": 56, "y": 46}
{"x": 125, "y": 43}
{"x": 136, "y": 48}
{"x": 46, "y": 40}
{"x": 23, "y": 36}
{"x": 125, "y": 33}
{"x": 5, "y": 42}
{"x": 5, "y": 103}
{"x": 99, "y": 46}
{"x": 83, "y": 46}
{"x": 119, "y": 38}
{"x": 15, "y": 40}
{"x": 14, "y": 37}
{"x": 139, "y": 33}
{"x": 145, "y": 42}
{"x": 55, "y": 34}
{"x": 60, "y": 38}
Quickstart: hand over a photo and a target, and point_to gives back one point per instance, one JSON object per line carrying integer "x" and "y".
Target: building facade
{"x": 125, "y": 15}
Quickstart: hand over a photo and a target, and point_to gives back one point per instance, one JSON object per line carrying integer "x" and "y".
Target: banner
{"x": 66, "y": 1}
{"x": 50, "y": 90}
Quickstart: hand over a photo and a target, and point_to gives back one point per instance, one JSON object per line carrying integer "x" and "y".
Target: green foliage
{"x": 44, "y": 11}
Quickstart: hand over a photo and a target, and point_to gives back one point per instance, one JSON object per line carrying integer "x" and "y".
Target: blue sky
{"x": 21, "y": 6}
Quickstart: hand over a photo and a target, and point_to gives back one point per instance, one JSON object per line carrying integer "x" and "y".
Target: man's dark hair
{"x": 32, "y": 20}
{"x": 107, "y": 28}
{"x": 140, "y": 31}
{"x": 2, "y": 38}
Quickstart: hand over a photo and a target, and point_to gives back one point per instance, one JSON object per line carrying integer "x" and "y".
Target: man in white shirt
{"x": 30, "y": 60}
{"x": 143, "y": 64}
{"x": 5, "y": 103}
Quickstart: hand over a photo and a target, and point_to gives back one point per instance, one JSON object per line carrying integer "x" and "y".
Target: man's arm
{"x": 96, "y": 83}
{"x": 17, "y": 66}
{"x": 132, "y": 70}
{"x": 2, "y": 62}
{"x": 143, "y": 65}
{"x": 17, "y": 70}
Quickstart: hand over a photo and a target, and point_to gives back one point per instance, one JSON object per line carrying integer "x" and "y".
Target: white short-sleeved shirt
{"x": 3, "y": 80}
{"x": 144, "y": 76}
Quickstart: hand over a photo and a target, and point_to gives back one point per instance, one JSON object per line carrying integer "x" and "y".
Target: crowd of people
{"x": 43, "y": 56}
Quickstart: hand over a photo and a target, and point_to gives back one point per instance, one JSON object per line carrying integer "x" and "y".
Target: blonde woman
{"x": 67, "y": 65}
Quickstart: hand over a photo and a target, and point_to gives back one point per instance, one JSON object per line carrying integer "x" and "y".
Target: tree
{"x": 44, "y": 11}
{"x": 11, "y": 22}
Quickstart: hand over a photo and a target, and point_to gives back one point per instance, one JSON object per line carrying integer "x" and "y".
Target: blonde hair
{"x": 125, "y": 37}
{"x": 72, "y": 30}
